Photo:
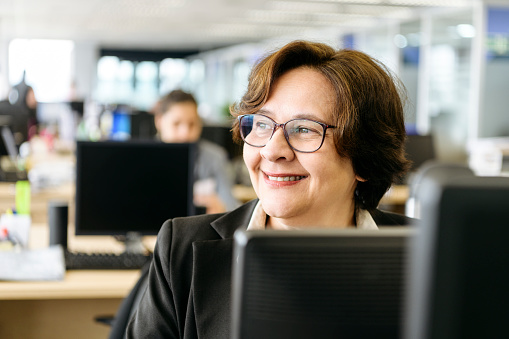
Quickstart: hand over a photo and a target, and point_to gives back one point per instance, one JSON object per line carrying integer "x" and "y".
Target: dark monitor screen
{"x": 7, "y": 143}
{"x": 78, "y": 107}
{"x": 131, "y": 186}
{"x": 419, "y": 149}
{"x": 143, "y": 126}
{"x": 459, "y": 276}
{"x": 318, "y": 283}
{"x": 16, "y": 117}
{"x": 222, "y": 136}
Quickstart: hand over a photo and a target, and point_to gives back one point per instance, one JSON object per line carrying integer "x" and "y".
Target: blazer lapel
{"x": 212, "y": 271}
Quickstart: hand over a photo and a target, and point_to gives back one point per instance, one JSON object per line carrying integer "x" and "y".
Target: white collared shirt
{"x": 364, "y": 220}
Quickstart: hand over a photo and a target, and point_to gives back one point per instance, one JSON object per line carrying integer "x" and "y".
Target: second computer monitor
{"x": 318, "y": 283}
{"x": 458, "y": 267}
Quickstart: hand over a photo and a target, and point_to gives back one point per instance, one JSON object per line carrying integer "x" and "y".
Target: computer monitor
{"x": 9, "y": 169}
{"x": 318, "y": 283}
{"x": 16, "y": 117}
{"x": 131, "y": 187}
{"x": 459, "y": 260}
{"x": 7, "y": 143}
{"x": 222, "y": 136}
{"x": 78, "y": 106}
{"x": 419, "y": 149}
{"x": 142, "y": 126}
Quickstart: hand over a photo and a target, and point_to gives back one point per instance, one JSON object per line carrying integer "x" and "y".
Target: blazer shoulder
{"x": 205, "y": 226}
{"x": 384, "y": 218}
{"x": 191, "y": 228}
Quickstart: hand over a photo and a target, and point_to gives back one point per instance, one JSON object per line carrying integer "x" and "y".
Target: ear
{"x": 360, "y": 179}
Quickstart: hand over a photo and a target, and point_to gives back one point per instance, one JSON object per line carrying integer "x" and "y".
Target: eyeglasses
{"x": 303, "y": 135}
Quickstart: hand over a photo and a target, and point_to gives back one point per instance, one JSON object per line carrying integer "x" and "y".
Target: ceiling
{"x": 195, "y": 24}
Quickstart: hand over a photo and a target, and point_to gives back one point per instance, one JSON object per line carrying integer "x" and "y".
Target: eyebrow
{"x": 300, "y": 115}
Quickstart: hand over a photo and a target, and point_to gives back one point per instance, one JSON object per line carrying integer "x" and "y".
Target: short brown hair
{"x": 174, "y": 97}
{"x": 368, "y": 110}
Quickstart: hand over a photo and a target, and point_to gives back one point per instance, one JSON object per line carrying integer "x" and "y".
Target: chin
{"x": 278, "y": 209}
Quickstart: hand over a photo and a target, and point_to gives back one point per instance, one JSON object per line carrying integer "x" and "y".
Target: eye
{"x": 304, "y": 130}
{"x": 260, "y": 125}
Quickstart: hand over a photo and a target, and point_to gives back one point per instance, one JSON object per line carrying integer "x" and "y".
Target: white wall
{"x": 86, "y": 54}
{"x": 4, "y": 74}
{"x": 495, "y": 109}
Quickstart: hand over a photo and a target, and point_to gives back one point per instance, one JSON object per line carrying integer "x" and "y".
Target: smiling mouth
{"x": 288, "y": 178}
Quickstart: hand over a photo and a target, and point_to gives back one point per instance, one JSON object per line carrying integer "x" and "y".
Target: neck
{"x": 327, "y": 220}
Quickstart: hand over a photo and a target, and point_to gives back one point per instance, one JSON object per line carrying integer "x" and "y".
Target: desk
{"x": 395, "y": 199}
{"x": 65, "y": 309}
{"x": 39, "y": 199}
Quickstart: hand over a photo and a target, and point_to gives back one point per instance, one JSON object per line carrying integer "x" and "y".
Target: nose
{"x": 277, "y": 148}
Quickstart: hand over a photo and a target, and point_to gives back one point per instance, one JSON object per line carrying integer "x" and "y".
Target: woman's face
{"x": 181, "y": 123}
{"x": 318, "y": 187}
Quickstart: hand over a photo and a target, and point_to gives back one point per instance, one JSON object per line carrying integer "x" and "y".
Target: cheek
{"x": 195, "y": 133}
{"x": 330, "y": 169}
{"x": 168, "y": 125}
{"x": 251, "y": 157}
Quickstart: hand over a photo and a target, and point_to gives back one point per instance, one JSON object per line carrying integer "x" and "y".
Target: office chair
{"x": 127, "y": 308}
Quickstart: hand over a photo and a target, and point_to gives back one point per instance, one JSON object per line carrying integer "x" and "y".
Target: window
{"x": 140, "y": 78}
{"x": 47, "y": 67}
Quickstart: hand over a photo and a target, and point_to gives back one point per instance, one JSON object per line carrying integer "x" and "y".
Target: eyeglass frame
{"x": 285, "y": 133}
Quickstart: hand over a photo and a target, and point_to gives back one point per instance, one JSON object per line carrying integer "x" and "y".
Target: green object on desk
{"x": 23, "y": 197}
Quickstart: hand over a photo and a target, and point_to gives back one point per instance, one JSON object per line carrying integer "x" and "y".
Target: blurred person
{"x": 177, "y": 121}
{"x": 22, "y": 95}
{"x": 323, "y": 135}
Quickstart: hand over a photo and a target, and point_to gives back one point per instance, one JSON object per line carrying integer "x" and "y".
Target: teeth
{"x": 292, "y": 178}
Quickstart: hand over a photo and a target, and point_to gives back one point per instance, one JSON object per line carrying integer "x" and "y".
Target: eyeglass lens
{"x": 302, "y": 134}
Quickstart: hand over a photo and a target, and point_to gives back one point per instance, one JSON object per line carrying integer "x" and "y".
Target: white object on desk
{"x": 18, "y": 227}
{"x": 30, "y": 265}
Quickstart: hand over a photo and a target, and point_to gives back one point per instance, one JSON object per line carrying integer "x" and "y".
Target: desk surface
{"x": 80, "y": 284}
{"x": 77, "y": 284}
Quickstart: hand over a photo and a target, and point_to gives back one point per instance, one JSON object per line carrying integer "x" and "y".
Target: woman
{"x": 323, "y": 141}
{"x": 177, "y": 120}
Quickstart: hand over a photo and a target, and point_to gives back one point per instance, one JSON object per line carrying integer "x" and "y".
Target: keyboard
{"x": 105, "y": 261}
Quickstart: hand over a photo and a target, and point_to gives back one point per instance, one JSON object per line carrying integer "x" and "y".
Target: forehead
{"x": 301, "y": 92}
{"x": 182, "y": 110}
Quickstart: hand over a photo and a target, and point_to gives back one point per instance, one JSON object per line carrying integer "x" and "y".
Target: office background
{"x": 452, "y": 56}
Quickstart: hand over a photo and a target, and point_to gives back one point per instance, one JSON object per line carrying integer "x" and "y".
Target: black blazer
{"x": 188, "y": 293}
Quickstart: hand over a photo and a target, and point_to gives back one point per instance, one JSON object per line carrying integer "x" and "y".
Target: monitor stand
{"x": 133, "y": 243}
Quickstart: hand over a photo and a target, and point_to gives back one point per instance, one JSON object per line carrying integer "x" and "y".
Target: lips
{"x": 286, "y": 178}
